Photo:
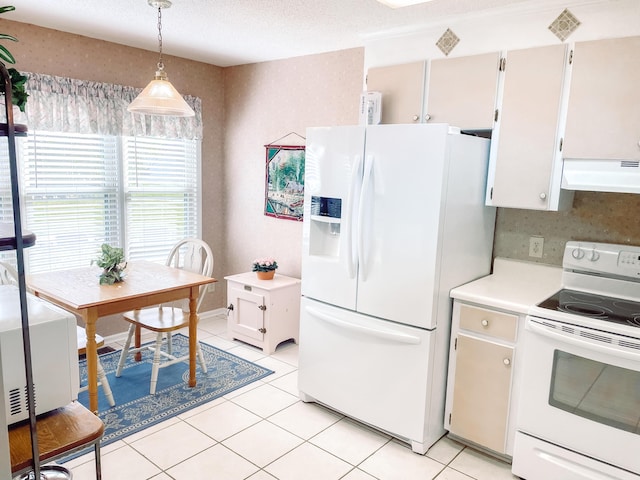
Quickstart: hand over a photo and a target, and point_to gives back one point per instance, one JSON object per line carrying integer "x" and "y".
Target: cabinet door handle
{"x": 427, "y": 117}
{"x": 416, "y": 118}
{"x": 484, "y": 322}
{"x": 543, "y": 196}
{"x": 262, "y": 307}
{"x": 507, "y": 361}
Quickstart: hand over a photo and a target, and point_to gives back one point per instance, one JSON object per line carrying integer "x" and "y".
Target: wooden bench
{"x": 60, "y": 432}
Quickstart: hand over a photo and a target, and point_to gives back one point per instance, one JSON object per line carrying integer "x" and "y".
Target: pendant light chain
{"x": 160, "y": 62}
{"x": 159, "y": 97}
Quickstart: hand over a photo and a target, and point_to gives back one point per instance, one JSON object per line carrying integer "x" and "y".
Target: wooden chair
{"x": 9, "y": 276}
{"x": 102, "y": 377}
{"x": 190, "y": 254}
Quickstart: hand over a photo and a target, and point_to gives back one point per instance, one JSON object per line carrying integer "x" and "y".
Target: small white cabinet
{"x": 480, "y": 405}
{"x": 263, "y": 313}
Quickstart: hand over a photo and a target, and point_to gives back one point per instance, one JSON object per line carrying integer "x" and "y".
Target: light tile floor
{"x": 264, "y": 432}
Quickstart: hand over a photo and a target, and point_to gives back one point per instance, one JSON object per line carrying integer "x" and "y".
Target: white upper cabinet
{"x": 402, "y": 88}
{"x": 459, "y": 91}
{"x": 462, "y": 91}
{"x": 525, "y": 161}
{"x": 603, "y": 120}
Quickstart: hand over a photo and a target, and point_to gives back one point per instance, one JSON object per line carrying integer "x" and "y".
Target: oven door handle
{"x": 578, "y": 342}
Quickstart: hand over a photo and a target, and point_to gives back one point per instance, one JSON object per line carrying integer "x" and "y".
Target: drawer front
{"x": 490, "y": 322}
{"x": 247, "y": 288}
{"x": 344, "y": 349}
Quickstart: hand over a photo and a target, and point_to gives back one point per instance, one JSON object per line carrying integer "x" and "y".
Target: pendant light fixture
{"x": 160, "y": 97}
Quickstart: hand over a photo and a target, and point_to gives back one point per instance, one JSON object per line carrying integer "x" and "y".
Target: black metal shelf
{"x": 7, "y": 230}
{"x": 20, "y": 130}
{"x": 14, "y": 238}
{"x": 8, "y": 239}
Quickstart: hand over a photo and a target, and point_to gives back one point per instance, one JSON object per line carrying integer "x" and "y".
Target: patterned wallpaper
{"x": 264, "y": 102}
{"x": 595, "y": 217}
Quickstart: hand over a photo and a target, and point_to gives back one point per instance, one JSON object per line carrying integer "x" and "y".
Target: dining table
{"x": 145, "y": 284}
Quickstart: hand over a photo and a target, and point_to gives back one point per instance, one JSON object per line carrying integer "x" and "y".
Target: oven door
{"x": 581, "y": 391}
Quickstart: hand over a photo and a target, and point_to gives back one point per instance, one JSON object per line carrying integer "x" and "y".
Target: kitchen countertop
{"x": 514, "y": 285}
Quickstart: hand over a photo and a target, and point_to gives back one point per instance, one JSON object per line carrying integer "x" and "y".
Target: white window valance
{"x": 78, "y": 106}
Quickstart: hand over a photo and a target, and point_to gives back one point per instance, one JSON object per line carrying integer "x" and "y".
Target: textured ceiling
{"x": 234, "y": 32}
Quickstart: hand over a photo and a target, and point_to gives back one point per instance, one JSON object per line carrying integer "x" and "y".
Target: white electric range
{"x": 579, "y": 416}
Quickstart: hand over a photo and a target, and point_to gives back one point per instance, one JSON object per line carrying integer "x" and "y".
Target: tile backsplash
{"x": 594, "y": 217}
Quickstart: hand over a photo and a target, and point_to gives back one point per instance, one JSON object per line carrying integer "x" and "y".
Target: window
{"x": 161, "y": 195}
{"x": 79, "y": 191}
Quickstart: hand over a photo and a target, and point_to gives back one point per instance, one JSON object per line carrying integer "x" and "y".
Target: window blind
{"x": 80, "y": 191}
{"x": 161, "y": 195}
{"x": 6, "y": 209}
{"x": 70, "y": 190}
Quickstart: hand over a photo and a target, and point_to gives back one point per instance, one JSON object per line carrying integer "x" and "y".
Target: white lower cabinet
{"x": 263, "y": 313}
{"x": 480, "y": 404}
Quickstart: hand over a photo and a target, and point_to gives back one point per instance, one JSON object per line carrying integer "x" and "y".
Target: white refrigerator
{"x": 394, "y": 218}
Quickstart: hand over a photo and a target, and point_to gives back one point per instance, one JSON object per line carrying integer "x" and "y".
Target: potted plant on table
{"x": 265, "y": 268}
{"x": 112, "y": 263}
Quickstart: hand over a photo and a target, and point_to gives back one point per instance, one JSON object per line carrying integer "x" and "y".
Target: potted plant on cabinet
{"x": 265, "y": 268}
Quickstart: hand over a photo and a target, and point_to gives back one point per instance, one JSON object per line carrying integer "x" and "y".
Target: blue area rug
{"x": 136, "y": 410}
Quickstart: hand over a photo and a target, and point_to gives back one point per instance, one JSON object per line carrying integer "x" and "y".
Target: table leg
{"x": 138, "y": 355}
{"x": 193, "y": 334}
{"x": 90, "y": 316}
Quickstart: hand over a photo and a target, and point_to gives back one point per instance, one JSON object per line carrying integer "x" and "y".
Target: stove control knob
{"x": 594, "y": 256}
{"x": 577, "y": 253}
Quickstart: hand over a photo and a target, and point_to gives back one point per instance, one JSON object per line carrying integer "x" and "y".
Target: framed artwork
{"x": 284, "y": 183}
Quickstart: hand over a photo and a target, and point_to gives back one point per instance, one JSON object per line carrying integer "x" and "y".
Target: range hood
{"x": 622, "y": 176}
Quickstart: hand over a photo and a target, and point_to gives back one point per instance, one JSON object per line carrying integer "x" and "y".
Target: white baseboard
{"x": 218, "y": 312}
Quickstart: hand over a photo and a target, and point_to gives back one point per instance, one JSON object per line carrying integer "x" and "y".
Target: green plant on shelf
{"x": 19, "y": 93}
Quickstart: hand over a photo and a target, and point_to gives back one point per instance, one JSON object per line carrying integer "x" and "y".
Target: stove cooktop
{"x": 593, "y": 306}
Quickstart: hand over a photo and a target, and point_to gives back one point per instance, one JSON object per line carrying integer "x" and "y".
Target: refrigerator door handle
{"x": 354, "y": 197}
{"x": 356, "y": 175}
{"x": 373, "y": 332}
{"x": 364, "y": 193}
